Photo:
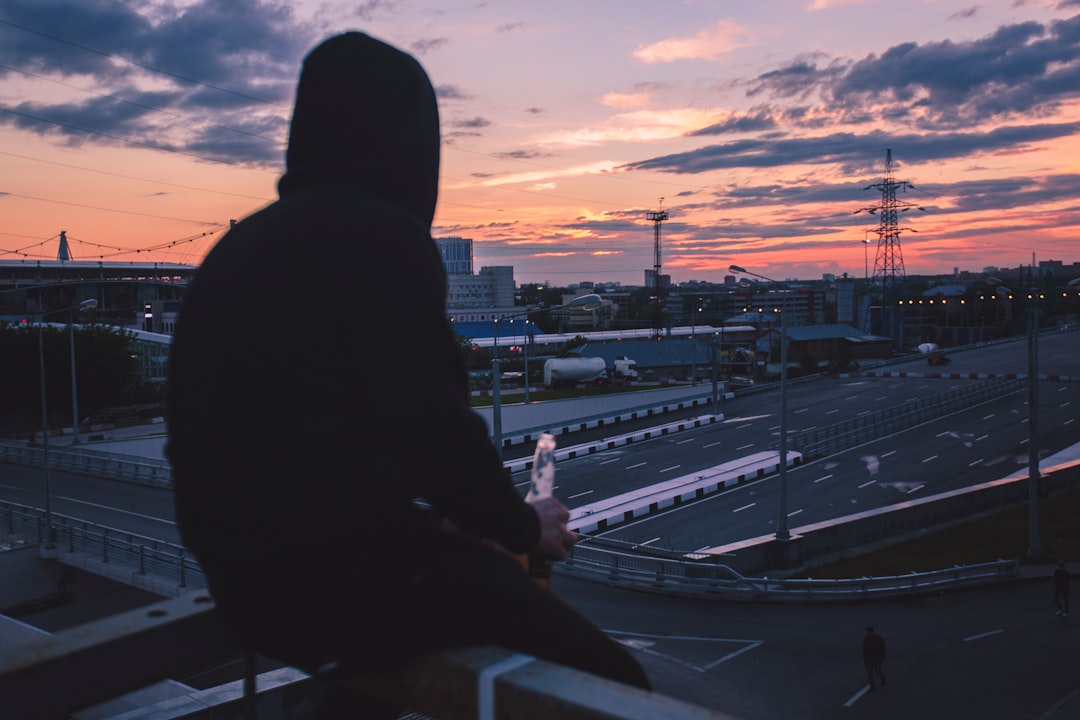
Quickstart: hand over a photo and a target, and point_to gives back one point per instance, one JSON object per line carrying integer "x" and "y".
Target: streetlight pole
{"x": 1034, "y": 546}
{"x": 526, "y": 346}
{"x": 584, "y": 302}
{"x": 50, "y": 533}
{"x": 866, "y": 279}
{"x": 74, "y": 386}
{"x": 782, "y": 531}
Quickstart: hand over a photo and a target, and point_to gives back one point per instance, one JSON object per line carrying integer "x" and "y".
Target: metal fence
{"x": 838, "y": 437}
{"x": 626, "y": 565}
{"x": 167, "y": 562}
{"x": 90, "y": 462}
{"x": 598, "y": 559}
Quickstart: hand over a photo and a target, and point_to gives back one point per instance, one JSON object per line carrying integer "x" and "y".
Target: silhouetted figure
{"x": 873, "y": 653}
{"x": 317, "y": 393}
{"x": 1061, "y": 580}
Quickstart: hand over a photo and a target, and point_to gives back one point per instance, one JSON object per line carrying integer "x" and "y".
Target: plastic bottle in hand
{"x": 541, "y": 483}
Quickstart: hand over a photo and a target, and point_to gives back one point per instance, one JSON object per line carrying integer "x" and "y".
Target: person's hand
{"x": 555, "y": 539}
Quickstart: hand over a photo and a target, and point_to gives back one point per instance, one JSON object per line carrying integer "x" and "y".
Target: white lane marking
{"x": 747, "y": 645}
{"x": 833, "y": 411}
{"x": 980, "y": 636}
{"x": 981, "y": 437}
{"x": 743, "y": 447}
{"x": 669, "y": 469}
{"x": 631, "y": 467}
{"x": 867, "y": 484}
{"x": 744, "y": 507}
{"x": 851, "y": 701}
{"x": 713, "y": 444}
{"x": 823, "y": 477}
{"x": 972, "y": 464}
{"x": 581, "y": 494}
{"x": 930, "y": 459}
{"x": 76, "y": 501}
{"x": 917, "y": 487}
{"x": 891, "y": 452}
{"x": 801, "y": 410}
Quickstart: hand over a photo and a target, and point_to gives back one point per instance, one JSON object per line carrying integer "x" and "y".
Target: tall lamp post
{"x": 782, "y": 532}
{"x": 89, "y": 304}
{"x": 584, "y": 302}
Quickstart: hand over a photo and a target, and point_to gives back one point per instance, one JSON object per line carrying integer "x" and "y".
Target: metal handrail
{"x": 849, "y": 433}
{"x": 598, "y": 559}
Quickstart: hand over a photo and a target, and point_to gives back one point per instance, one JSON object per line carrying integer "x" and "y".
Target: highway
{"x": 980, "y": 444}
{"x": 988, "y": 653}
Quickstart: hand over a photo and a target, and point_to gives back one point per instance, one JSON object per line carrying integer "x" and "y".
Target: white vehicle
{"x": 625, "y": 368}
{"x": 574, "y": 370}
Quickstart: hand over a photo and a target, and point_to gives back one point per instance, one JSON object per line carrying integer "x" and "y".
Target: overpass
{"x": 626, "y": 569}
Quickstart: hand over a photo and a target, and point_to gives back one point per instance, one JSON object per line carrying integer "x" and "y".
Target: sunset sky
{"x": 142, "y": 128}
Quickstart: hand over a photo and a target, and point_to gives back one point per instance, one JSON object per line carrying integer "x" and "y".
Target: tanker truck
{"x": 561, "y": 372}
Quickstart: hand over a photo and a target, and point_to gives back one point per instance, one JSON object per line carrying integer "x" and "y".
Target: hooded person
{"x": 344, "y": 501}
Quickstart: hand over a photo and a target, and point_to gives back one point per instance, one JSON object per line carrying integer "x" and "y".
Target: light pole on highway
{"x": 1034, "y": 473}
{"x": 583, "y": 302}
{"x": 782, "y": 532}
{"x": 89, "y": 304}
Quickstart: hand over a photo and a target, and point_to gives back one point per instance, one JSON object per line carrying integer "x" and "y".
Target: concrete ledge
{"x": 54, "y": 676}
{"x": 616, "y": 510}
{"x": 616, "y": 441}
{"x": 487, "y": 682}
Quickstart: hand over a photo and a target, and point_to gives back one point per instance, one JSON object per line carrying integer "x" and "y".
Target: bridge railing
{"x": 840, "y": 436}
{"x": 162, "y": 567}
{"x": 167, "y": 569}
{"x": 627, "y": 565}
{"x": 56, "y": 676}
{"x": 90, "y": 462}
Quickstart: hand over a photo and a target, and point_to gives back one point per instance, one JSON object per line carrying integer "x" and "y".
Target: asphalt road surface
{"x": 998, "y": 652}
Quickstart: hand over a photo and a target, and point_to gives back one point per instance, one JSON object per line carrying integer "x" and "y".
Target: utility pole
{"x": 657, "y": 217}
{"x": 889, "y": 260}
{"x": 1034, "y": 545}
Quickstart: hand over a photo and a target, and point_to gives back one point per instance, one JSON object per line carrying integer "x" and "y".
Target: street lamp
{"x": 89, "y": 304}
{"x": 782, "y": 532}
{"x": 583, "y": 302}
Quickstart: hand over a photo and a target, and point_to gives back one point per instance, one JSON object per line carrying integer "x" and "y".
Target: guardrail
{"x": 166, "y": 569}
{"x": 90, "y": 462}
{"x": 840, "y": 436}
{"x": 161, "y": 567}
{"x": 626, "y": 565}
{"x": 56, "y": 676}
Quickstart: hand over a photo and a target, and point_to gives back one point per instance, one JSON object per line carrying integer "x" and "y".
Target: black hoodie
{"x": 315, "y": 385}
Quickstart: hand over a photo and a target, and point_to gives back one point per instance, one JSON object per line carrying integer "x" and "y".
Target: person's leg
{"x": 488, "y": 599}
{"x": 372, "y": 620}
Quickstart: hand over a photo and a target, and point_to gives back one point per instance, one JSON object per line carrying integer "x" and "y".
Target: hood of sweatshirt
{"x": 365, "y": 117}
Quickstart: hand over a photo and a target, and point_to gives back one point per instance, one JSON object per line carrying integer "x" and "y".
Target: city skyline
{"x": 142, "y": 129}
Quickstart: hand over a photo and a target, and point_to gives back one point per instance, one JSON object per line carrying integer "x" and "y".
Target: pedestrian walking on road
{"x": 873, "y": 653}
{"x": 1061, "y": 589}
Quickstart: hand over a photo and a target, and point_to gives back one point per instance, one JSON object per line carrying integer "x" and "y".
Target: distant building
{"x": 650, "y": 280}
{"x": 474, "y": 302}
{"x": 457, "y": 255}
